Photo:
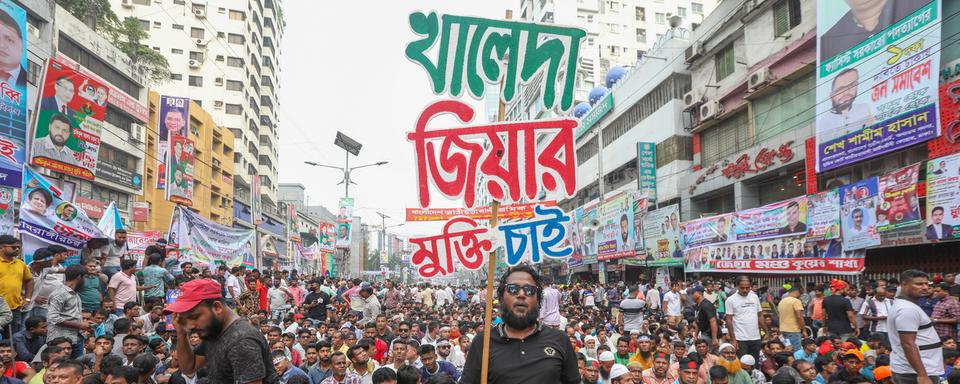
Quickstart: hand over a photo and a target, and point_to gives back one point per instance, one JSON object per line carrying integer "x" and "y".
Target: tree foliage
{"x": 125, "y": 34}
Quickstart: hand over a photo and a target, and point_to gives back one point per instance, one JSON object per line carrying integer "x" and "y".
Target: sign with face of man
{"x": 69, "y": 119}
{"x": 13, "y": 92}
{"x": 173, "y": 118}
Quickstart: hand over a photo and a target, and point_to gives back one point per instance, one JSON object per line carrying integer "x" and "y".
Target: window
{"x": 233, "y": 109}
{"x": 196, "y": 81}
{"x": 178, "y": 26}
{"x": 176, "y": 76}
{"x": 196, "y": 33}
{"x": 156, "y": 24}
{"x": 198, "y": 56}
{"x": 233, "y": 85}
{"x": 613, "y": 28}
{"x": 730, "y": 136}
{"x": 641, "y": 14}
{"x": 141, "y": 2}
{"x": 220, "y": 57}
{"x": 118, "y": 119}
{"x": 697, "y": 8}
{"x": 614, "y": 50}
{"x": 33, "y": 72}
{"x": 144, "y": 24}
{"x": 176, "y": 51}
{"x": 787, "y": 109}
{"x": 681, "y": 11}
{"x": 179, "y": 2}
{"x": 198, "y": 8}
{"x": 235, "y": 38}
{"x": 641, "y": 35}
{"x": 96, "y": 65}
{"x": 724, "y": 62}
{"x": 612, "y": 6}
{"x": 660, "y": 18}
{"x": 589, "y": 18}
{"x": 786, "y": 16}
{"x": 237, "y": 15}
{"x": 590, "y": 42}
{"x": 221, "y": 10}
{"x": 235, "y": 62}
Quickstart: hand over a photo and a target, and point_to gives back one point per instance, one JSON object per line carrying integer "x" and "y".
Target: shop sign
{"x": 601, "y": 109}
{"x": 115, "y": 174}
{"x": 764, "y": 159}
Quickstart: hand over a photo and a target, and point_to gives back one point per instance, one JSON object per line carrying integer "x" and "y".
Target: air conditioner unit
{"x": 194, "y": 64}
{"x": 693, "y": 52}
{"x": 710, "y": 110}
{"x": 218, "y": 81}
{"x": 200, "y": 42}
{"x": 136, "y": 133}
{"x": 692, "y": 99}
{"x": 759, "y": 79}
{"x": 127, "y": 3}
{"x": 200, "y": 13}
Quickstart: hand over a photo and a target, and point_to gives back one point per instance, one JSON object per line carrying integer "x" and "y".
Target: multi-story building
{"x": 213, "y": 170}
{"x": 225, "y": 56}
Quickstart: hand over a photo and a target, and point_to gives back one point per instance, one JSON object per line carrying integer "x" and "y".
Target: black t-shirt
{"x": 545, "y": 357}
{"x": 706, "y": 311}
{"x": 320, "y": 311}
{"x": 836, "y": 307}
{"x": 239, "y": 355}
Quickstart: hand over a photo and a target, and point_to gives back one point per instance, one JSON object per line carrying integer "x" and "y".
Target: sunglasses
{"x": 514, "y": 289}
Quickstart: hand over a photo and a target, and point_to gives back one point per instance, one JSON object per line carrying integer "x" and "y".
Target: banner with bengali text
{"x": 47, "y": 219}
{"x": 823, "y": 215}
{"x": 943, "y": 198}
{"x": 783, "y": 218}
{"x": 661, "y": 237}
{"x": 504, "y": 212}
{"x": 13, "y": 98}
{"x": 206, "y": 242}
{"x": 616, "y": 237}
{"x": 706, "y": 231}
{"x": 899, "y": 204}
{"x": 858, "y": 215}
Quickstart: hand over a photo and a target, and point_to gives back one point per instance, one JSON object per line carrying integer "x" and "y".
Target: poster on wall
{"x": 877, "y": 81}
{"x": 13, "y": 96}
{"x": 706, "y": 231}
{"x": 943, "y": 199}
{"x": 661, "y": 236}
{"x": 180, "y": 170}
{"x": 784, "y": 218}
{"x": 899, "y": 204}
{"x": 858, "y": 214}
{"x": 69, "y": 119}
{"x": 823, "y": 215}
{"x": 8, "y": 225}
{"x": 173, "y": 117}
{"x": 615, "y": 237}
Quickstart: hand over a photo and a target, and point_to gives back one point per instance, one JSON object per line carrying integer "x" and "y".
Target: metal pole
{"x": 346, "y": 176}
{"x": 603, "y": 269}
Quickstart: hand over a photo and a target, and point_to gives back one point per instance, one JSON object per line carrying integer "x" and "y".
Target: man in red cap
{"x": 234, "y": 351}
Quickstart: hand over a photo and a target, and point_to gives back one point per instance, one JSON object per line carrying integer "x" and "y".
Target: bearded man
{"x": 522, "y": 350}
{"x": 644, "y": 354}
{"x": 660, "y": 372}
{"x": 731, "y": 363}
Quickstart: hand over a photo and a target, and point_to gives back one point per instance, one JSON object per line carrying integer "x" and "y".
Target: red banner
{"x": 949, "y": 142}
{"x": 803, "y": 265}
{"x": 513, "y": 211}
{"x": 141, "y": 211}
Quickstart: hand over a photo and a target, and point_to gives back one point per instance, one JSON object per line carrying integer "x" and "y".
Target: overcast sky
{"x": 343, "y": 68}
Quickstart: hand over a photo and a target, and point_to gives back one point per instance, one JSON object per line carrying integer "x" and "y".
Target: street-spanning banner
{"x": 876, "y": 78}
{"x": 499, "y": 53}
{"x": 69, "y": 120}
{"x": 180, "y": 166}
{"x": 173, "y": 117}
{"x": 505, "y": 212}
{"x": 899, "y": 204}
{"x": 783, "y": 255}
{"x": 943, "y": 198}
{"x": 206, "y": 242}
{"x": 706, "y": 231}
{"x": 616, "y": 237}
{"x": 326, "y": 235}
{"x": 505, "y": 155}
{"x": 858, "y": 204}
{"x": 784, "y": 218}
{"x": 661, "y": 236}
{"x": 823, "y": 215}
{"x": 13, "y": 97}
{"x": 47, "y": 219}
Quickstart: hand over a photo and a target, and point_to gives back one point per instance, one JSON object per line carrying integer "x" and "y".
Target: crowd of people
{"x": 114, "y": 318}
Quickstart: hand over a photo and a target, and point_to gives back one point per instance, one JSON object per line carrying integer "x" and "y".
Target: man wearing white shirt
{"x": 653, "y": 298}
{"x": 233, "y": 286}
{"x": 672, "y": 304}
{"x": 743, "y": 319}
{"x": 875, "y": 310}
{"x": 917, "y": 353}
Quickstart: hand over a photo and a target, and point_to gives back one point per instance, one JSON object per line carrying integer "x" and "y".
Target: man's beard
{"x": 215, "y": 329}
{"x": 520, "y": 322}
{"x": 732, "y": 366}
{"x": 324, "y": 360}
{"x": 604, "y": 374}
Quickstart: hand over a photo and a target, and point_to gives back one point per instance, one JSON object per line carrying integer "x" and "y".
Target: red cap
{"x": 192, "y": 293}
{"x": 298, "y": 316}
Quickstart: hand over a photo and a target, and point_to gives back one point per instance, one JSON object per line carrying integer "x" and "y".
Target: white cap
{"x": 748, "y": 360}
{"x": 724, "y": 346}
{"x": 607, "y": 356}
{"x": 618, "y": 370}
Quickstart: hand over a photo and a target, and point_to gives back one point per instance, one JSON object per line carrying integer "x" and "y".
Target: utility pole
{"x": 383, "y": 233}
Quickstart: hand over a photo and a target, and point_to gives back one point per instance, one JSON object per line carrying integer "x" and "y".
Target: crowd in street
{"x": 113, "y": 318}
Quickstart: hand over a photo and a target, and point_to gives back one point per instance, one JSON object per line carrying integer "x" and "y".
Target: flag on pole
{"x": 110, "y": 222}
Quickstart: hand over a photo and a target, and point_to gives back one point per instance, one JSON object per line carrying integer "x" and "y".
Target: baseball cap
{"x": 192, "y": 293}
{"x": 608, "y": 356}
{"x": 696, "y": 288}
{"x": 853, "y": 352}
{"x": 882, "y": 372}
{"x": 618, "y": 370}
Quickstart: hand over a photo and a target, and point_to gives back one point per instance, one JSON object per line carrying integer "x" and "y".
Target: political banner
{"x": 345, "y": 213}
{"x": 531, "y": 240}
{"x": 504, "y": 212}
{"x": 949, "y": 141}
{"x": 943, "y": 198}
{"x": 307, "y": 253}
{"x": 140, "y": 211}
{"x": 784, "y": 218}
{"x": 293, "y": 226}
{"x": 616, "y": 238}
{"x": 110, "y": 222}
{"x": 180, "y": 170}
{"x": 255, "y": 213}
{"x": 326, "y": 235}
{"x": 782, "y": 255}
{"x": 823, "y": 215}
{"x": 858, "y": 214}
{"x": 575, "y": 238}
{"x": 138, "y": 241}
{"x": 8, "y": 223}
{"x": 876, "y": 78}
{"x": 647, "y": 168}
{"x": 69, "y": 120}
{"x": 661, "y": 236}
{"x": 172, "y": 120}
{"x": 344, "y": 235}
{"x": 899, "y": 204}
{"x": 205, "y": 242}
{"x": 46, "y": 219}
{"x": 706, "y": 231}
{"x": 13, "y": 97}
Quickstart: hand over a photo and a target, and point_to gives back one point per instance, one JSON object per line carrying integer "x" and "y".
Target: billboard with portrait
{"x": 13, "y": 93}
{"x": 180, "y": 170}
{"x": 172, "y": 120}
{"x": 615, "y": 237}
{"x": 943, "y": 199}
{"x": 343, "y": 235}
{"x": 69, "y": 120}
{"x": 877, "y": 78}
{"x": 858, "y": 214}
{"x": 661, "y": 236}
